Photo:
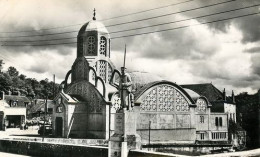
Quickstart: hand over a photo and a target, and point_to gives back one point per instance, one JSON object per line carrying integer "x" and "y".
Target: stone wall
{"x": 47, "y": 149}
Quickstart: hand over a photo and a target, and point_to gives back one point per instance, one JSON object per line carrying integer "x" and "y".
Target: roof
{"x": 20, "y": 99}
{"x": 208, "y": 90}
{"x": 140, "y": 79}
{"x": 93, "y": 25}
{"x": 40, "y": 104}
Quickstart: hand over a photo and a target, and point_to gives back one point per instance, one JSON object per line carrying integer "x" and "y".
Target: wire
{"x": 105, "y": 19}
{"x": 145, "y": 26}
{"x": 184, "y": 26}
{"x": 127, "y": 22}
{"x": 138, "y": 34}
{"x": 171, "y": 13}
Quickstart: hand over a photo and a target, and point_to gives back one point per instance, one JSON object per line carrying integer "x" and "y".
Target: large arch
{"x": 144, "y": 89}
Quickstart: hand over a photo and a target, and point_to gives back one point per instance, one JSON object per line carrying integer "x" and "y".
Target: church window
{"x": 201, "y": 105}
{"x": 201, "y": 119}
{"x": 91, "y": 45}
{"x": 164, "y": 98}
{"x": 109, "y": 72}
{"x": 103, "y": 45}
{"x": 102, "y": 70}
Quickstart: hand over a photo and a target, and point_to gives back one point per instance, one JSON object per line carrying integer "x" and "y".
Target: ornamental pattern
{"x": 103, "y": 45}
{"x": 164, "y": 98}
{"x": 102, "y": 70}
{"x": 94, "y": 102}
{"x": 91, "y": 45}
{"x": 201, "y": 105}
{"x": 93, "y": 74}
{"x": 181, "y": 102}
{"x": 109, "y": 72}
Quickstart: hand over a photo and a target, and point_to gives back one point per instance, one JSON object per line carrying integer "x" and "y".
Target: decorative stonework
{"x": 103, "y": 45}
{"x": 181, "y": 102}
{"x": 164, "y": 98}
{"x": 102, "y": 70}
{"x": 91, "y": 44}
{"x": 89, "y": 94}
{"x": 201, "y": 105}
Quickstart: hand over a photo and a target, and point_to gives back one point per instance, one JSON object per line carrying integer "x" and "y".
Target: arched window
{"x": 103, "y": 45}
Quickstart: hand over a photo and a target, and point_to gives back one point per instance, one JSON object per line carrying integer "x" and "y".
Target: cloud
{"x": 253, "y": 50}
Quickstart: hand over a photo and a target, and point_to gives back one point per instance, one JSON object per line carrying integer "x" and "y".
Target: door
{"x": 59, "y": 125}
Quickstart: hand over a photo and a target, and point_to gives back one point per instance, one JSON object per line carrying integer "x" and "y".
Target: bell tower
{"x": 93, "y": 40}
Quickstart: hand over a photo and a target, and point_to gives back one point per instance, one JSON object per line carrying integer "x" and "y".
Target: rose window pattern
{"x": 181, "y": 102}
{"x": 103, "y": 45}
{"x": 164, "y": 98}
{"x": 91, "y": 45}
{"x": 102, "y": 70}
{"x": 201, "y": 105}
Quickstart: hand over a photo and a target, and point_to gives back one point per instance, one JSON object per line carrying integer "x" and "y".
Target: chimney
{"x": 2, "y": 95}
{"x": 224, "y": 95}
{"x": 233, "y": 97}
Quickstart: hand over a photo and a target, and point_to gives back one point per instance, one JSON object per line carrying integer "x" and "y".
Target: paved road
{"x": 2, "y": 154}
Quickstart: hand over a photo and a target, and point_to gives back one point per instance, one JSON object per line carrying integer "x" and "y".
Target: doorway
{"x": 59, "y": 126}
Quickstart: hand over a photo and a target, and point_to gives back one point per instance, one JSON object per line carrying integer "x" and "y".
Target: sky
{"x": 224, "y": 53}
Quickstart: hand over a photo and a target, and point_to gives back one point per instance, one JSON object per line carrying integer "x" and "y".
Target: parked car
{"x": 48, "y": 130}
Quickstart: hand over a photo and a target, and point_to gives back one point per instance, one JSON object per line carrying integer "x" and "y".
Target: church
{"x": 166, "y": 112}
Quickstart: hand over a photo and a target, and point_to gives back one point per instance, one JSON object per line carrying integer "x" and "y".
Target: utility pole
{"x": 149, "y": 133}
{"x": 53, "y": 86}
{"x": 45, "y": 110}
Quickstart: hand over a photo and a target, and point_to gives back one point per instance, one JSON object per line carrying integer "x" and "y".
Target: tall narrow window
{"x": 91, "y": 45}
{"x": 220, "y": 121}
{"x": 202, "y": 136}
{"x": 201, "y": 119}
{"x": 103, "y": 45}
{"x": 216, "y": 121}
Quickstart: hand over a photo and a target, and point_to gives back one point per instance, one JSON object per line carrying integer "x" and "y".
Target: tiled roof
{"x": 208, "y": 90}
{"x": 20, "y": 99}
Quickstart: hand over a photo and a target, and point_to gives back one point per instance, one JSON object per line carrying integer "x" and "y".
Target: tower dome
{"x": 93, "y": 25}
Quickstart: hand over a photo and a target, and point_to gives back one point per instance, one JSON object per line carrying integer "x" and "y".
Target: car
{"x": 48, "y": 130}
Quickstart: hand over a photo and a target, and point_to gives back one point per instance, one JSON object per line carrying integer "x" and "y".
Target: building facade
{"x": 165, "y": 111}
{"x": 13, "y": 110}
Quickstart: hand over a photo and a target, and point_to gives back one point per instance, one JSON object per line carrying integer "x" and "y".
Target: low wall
{"x": 51, "y": 149}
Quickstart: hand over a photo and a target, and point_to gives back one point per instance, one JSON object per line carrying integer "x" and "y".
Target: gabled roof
{"x": 208, "y": 90}
{"x": 21, "y": 99}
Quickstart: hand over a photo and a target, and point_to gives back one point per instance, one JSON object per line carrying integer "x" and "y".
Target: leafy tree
{"x": 12, "y": 71}
{"x": 1, "y": 65}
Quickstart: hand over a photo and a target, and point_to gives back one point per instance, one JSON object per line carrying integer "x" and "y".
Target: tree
{"x": 1, "y": 65}
{"x": 12, "y": 71}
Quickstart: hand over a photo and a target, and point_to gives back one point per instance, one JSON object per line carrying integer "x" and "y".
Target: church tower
{"x": 93, "y": 44}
